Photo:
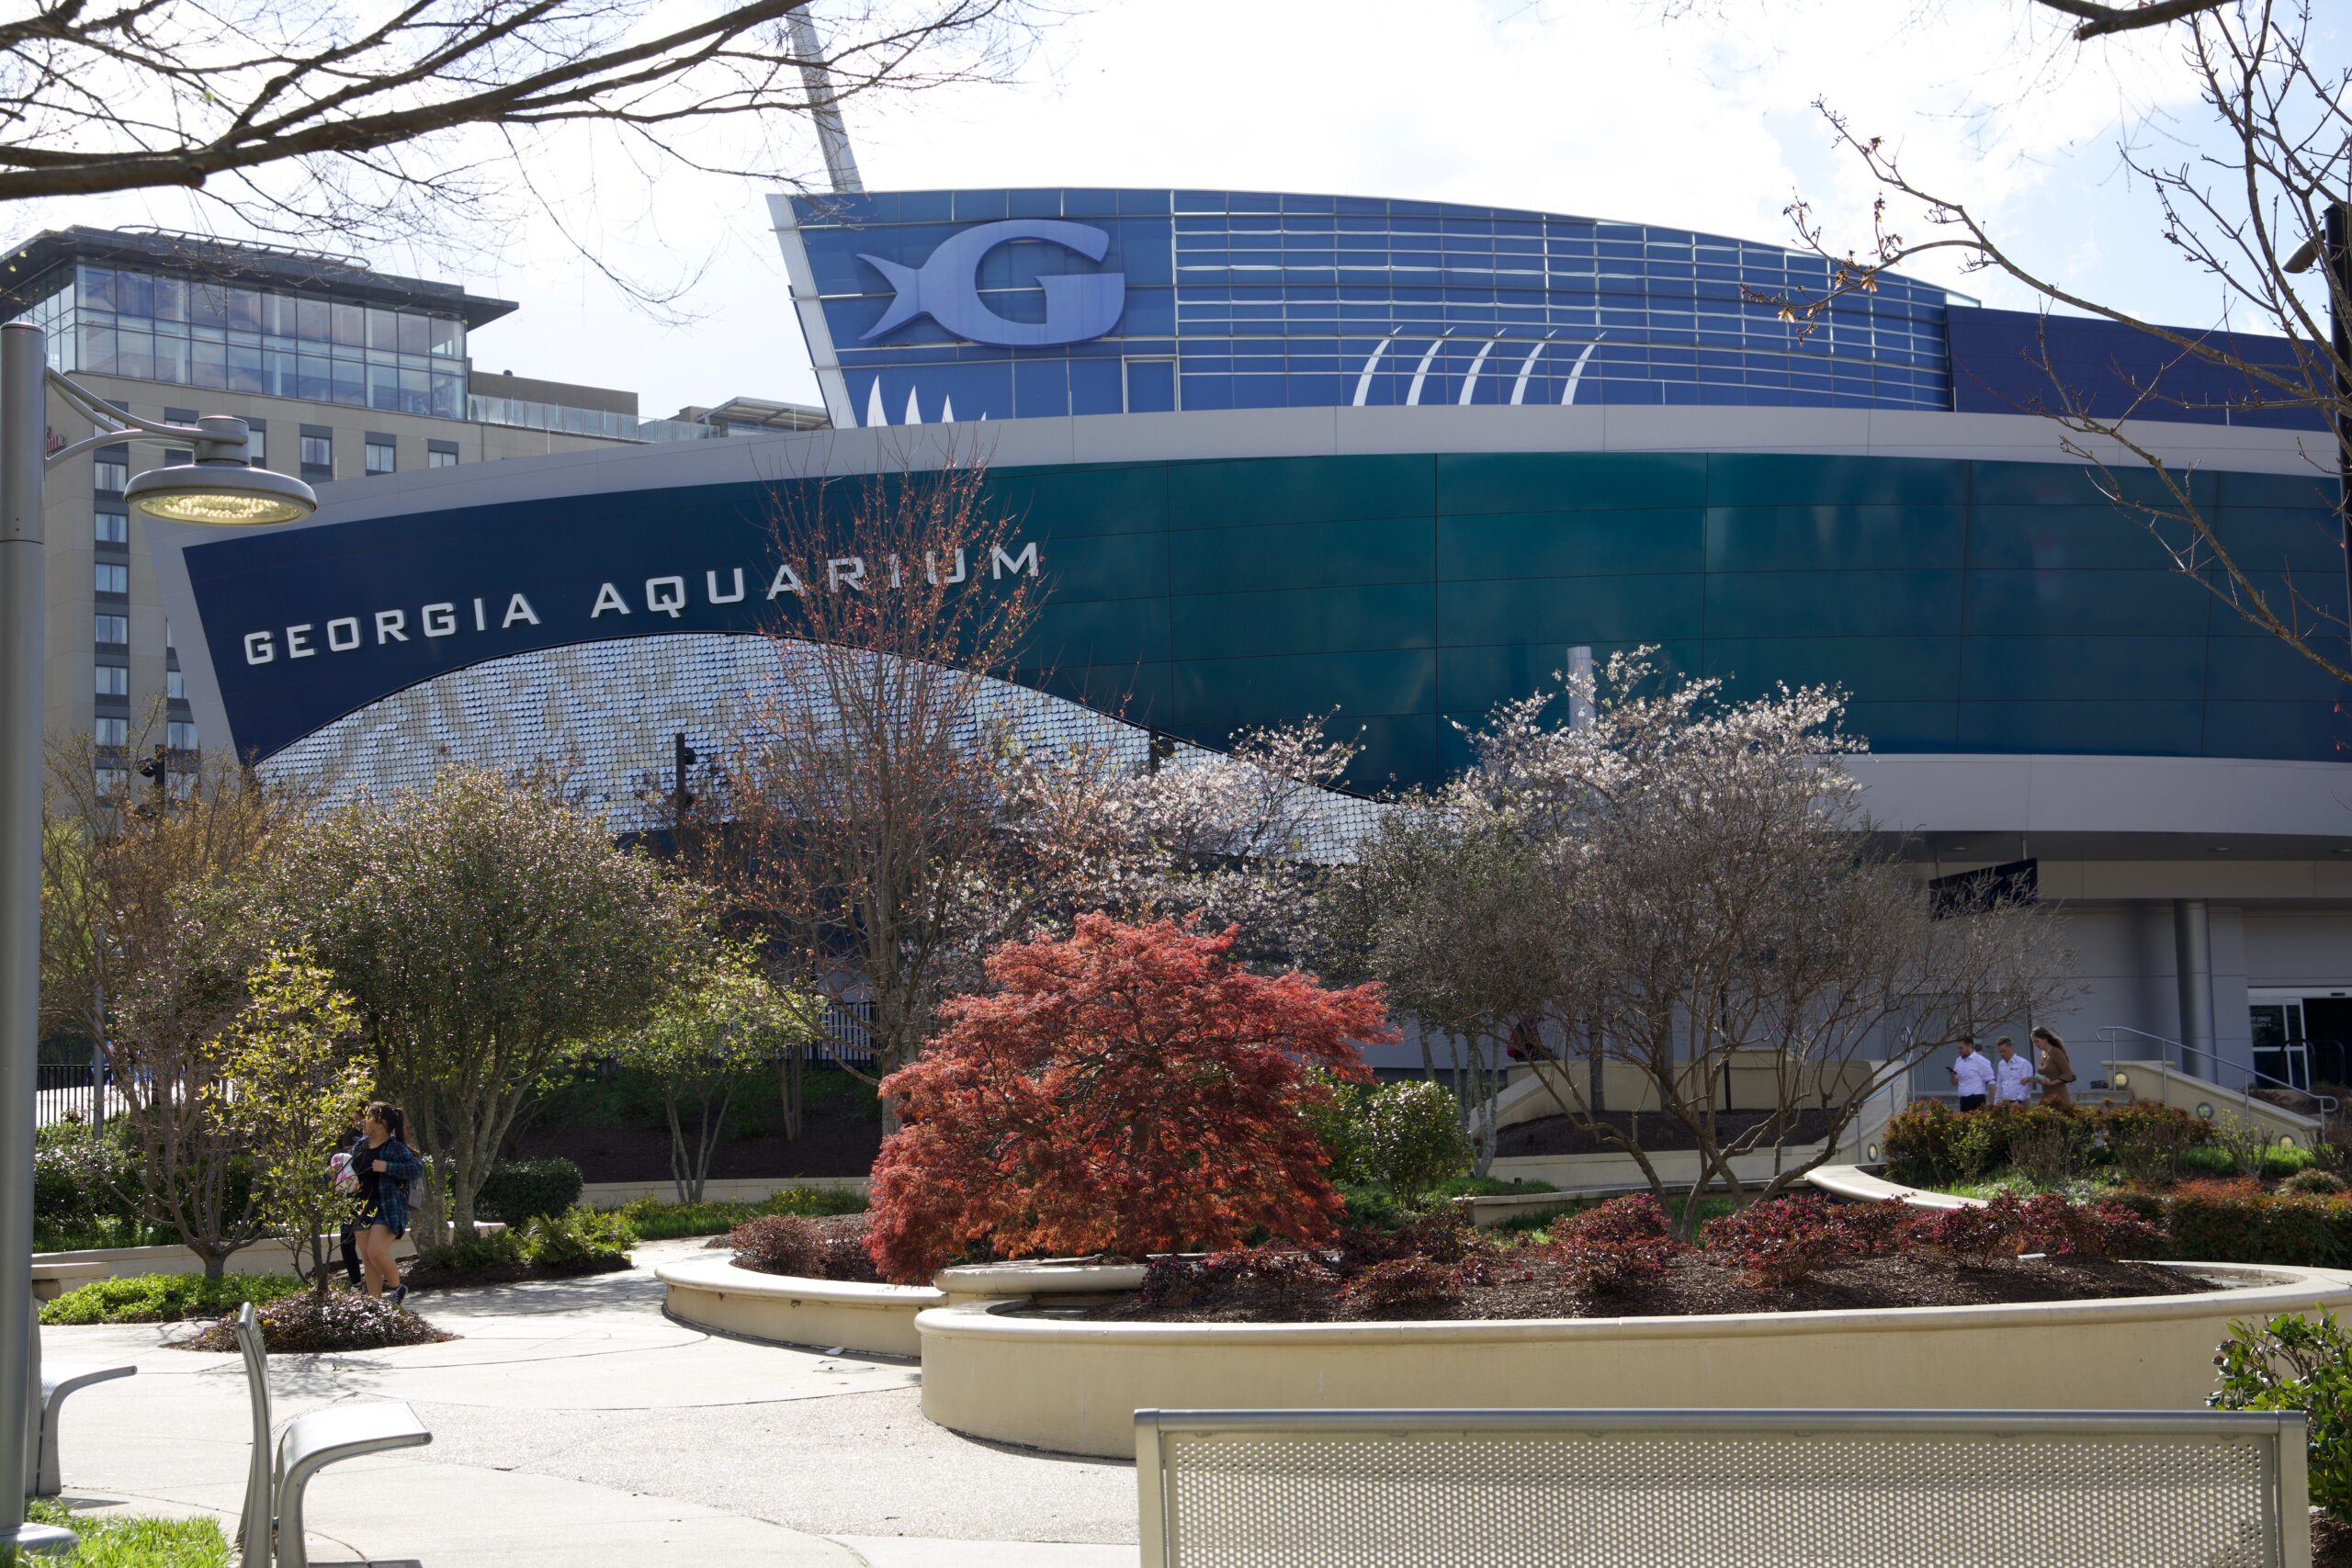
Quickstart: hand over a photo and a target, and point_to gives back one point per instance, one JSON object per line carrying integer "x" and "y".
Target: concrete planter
{"x": 712, "y": 1292}
{"x": 709, "y": 1291}
{"x": 1074, "y": 1387}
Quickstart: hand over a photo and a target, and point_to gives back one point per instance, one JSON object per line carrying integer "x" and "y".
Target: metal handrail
{"x": 2327, "y": 1103}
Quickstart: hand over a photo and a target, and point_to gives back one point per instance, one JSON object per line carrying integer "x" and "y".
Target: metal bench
{"x": 279, "y": 1473}
{"x": 57, "y": 1380}
{"x": 1701, "y": 1488}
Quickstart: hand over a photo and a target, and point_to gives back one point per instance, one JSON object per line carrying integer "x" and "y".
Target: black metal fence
{"x": 67, "y": 1091}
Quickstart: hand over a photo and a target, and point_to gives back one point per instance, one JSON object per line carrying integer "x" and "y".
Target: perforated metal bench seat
{"x": 59, "y": 1379}
{"x": 281, "y": 1471}
{"x": 1708, "y": 1489}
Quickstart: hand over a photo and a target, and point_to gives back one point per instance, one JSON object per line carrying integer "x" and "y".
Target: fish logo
{"x": 946, "y": 287}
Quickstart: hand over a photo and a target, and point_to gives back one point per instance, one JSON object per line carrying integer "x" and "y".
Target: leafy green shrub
{"x": 84, "y": 1183}
{"x": 165, "y": 1297}
{"x": 310, "y": 1324}
{"x": 471, "y": 1255}
{"x": 1916, "y": 1142}
{"x": 1406, "y": 1136}
{"x": 2291, "y": 1363}
{"x": 1373, "y": 1209}
{"x": 578, "y": 1241}
{"x": 2218, "y": 1223}
{"x": 655, "y": 1220}
{"x": 520, "y": 1190}
{"x": 2316, "y": 1183}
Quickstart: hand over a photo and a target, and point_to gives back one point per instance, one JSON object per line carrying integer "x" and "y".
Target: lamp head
{"x": 221, "y": 489}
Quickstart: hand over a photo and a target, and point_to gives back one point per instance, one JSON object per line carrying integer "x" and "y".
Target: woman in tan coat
{"x": 2051, "y": 1067}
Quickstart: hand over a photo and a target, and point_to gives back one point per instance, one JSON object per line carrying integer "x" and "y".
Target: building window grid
{"x": 108, "y": 526}
{"x": 110, "y": 577}
{"x": 1277, "y": 289}
{"x": 382, "y": 457}
{"x": 110, "y": 631}
{"x": 111, "y": 680}
{"x": 146, "y": 326}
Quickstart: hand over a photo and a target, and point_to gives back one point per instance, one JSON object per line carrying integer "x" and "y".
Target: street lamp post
{"x": 220, "y": 487}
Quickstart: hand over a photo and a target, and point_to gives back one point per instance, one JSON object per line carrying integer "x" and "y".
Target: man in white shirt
{"x": 2013, "y": 1079}
{"x": 1972, "y": 1075}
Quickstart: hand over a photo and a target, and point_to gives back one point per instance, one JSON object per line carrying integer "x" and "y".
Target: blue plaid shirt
{"x": 386, "y": 1193}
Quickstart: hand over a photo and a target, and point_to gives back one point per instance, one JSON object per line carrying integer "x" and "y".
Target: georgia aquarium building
{"x": 1273, "y": 456}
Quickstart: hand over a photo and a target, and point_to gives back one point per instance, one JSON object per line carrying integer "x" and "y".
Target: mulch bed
{"x": 2331, "y": 1542}
{"x": 846, "y": 1235}
{"x": 1558, "y": 1135}
{"x": 1697, "y": 1285}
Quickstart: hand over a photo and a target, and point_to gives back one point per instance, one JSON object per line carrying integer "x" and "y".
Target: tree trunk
{"x": 678, "y": 1182}
{"x": 793, "y": 1091}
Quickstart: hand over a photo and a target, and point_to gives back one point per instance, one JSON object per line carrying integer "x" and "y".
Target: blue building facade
{"x": 1234, "y": 300}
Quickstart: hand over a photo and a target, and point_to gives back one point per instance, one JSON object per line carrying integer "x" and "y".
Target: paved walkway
{"x": 572, "y": 1423}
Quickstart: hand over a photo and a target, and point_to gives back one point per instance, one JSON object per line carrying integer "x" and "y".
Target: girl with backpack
{"x": 385, "y": 1166}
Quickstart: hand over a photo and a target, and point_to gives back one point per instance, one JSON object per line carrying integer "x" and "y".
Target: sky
{"x": 1688, "y": 113}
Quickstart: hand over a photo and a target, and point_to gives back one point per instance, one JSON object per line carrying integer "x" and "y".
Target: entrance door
{"x": 2327, "y": 1024}
{"x": 2279, "y": 1042}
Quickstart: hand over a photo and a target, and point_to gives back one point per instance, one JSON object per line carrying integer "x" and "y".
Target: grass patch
{"x": 653, "y": 1220}
{"x": 132, "y": 1540}
{"x": 165, "y": 1298}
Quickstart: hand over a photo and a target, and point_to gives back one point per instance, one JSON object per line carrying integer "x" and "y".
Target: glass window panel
{"x": 111, "y": 628}
{"x": 134, "y": 355}
{"x": 245, "y": 309}
{"x": 134, "y": 294}
{"x": 383, "y": 329}
{"x": 448, "y": 335}
{"x": 170, "y": 298}
{"x": 180, "y": 735}
{"x": 416, "y": 334}
{"x": 318, "y": 451}
{"x": 350, "y": 383}
{"x": 245, "y": 368}
{"x": 315, "y": 376}
{"x": 176, "y": 684}
{"x": 208, "y": 304}
{"x": 110, "y": 731}
{"x": 171, "y": 358}
{"x": 113, "y": 681}
{"x": 311, "y": 320}
{"x": 96, "y": 349}
{"x": 208, "y": 364}
{"x": 111, "y": 527}
{"x": 416, "y": 391}
{"x": 98, "y": 287}
{"x": 350, "y": 324}
{"x": 278, "y": 374}
{"x": 438, "y": 458}
{"x": 383, "y": 386}
{"x": 111, "y": 577}
{"x": 382, "y": 457}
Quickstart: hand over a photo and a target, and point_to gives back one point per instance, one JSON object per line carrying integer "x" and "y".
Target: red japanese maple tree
{"x": 1129, "y": 1091}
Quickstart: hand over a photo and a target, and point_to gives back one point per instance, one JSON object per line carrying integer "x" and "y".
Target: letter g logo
{"x": 946, "y": 288}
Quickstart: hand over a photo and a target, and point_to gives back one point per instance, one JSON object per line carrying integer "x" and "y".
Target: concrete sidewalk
{"x": 574, "y": 1424}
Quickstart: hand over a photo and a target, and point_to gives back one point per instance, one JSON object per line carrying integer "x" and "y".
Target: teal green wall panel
{"x": 1212, "y": 696}
{"x": 2085, "y": 668}
{"x": 1571, "y": 544}
{"x": 1965, "y": 605}
{"x": 1129, "y": 500}
{"x": 1830, "y": 603}
{"x": 1773, "y": 479}
{"x": 1300, "y": 555}
{"x": 1570, "y": 609}
{"x": 1835, "y": 538}
{"x": 1870, "y": 669}
{"x": 1568, "y": 481}
{"x": 1246, "y": 493}
{"x": 2030, "y": 603}
{"x": 1303, "y": 620}
{"x": 2085, "y": 728}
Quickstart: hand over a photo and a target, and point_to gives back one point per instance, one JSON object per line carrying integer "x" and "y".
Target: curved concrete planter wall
{"x": 711, "y": 1292}
{"x": 1074, "y": 1387}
